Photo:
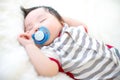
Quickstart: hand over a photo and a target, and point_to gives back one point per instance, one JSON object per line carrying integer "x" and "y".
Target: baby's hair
{"x": 52, "y": 11}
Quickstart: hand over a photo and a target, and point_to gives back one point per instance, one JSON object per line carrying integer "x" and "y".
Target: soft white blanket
{"x": 101, "y": 17}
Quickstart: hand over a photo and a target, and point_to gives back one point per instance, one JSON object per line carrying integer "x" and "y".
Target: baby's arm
{"x": 43, "y": 65}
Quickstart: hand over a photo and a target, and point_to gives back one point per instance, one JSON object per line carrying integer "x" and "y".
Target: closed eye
{"x": 43, "y": 20}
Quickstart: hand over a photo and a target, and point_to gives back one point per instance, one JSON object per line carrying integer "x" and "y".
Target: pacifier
{"x": 41, "y": 36}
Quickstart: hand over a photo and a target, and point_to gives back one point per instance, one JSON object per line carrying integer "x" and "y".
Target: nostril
{"x": 36, "y": 29}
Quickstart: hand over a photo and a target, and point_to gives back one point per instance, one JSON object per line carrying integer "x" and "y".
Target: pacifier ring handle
{"x": 39, "y": 35}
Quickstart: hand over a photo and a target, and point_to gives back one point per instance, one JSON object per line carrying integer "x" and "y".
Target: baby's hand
{"x": 25, "y": 39}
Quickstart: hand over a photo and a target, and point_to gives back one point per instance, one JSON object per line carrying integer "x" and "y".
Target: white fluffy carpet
{"x": 101, "y": 16}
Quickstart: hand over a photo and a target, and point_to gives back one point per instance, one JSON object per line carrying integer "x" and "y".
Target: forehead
{"x": 35, "y": 14}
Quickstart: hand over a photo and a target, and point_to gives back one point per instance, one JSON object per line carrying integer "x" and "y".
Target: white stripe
{"x": 81, "y": 27}
{"x": 51, "y": 54}
{"x": 69, "y": 56}
{"x": 72, "y": 53}
{"x": 115, "y": 57}
{"x": 100, "y": 49}
{"x": 113, "y": 73}
{"x": 80, "y": 56}
{"x": 99, "y": 64}
{"x": 89, "y": 56}
{"x": 89, "y": 64}
{"x": 96, "y": 68}
{"x": 87, "y": 41}
{"x": 94, "y": 46}
{"x": 62, "y": 39}
{"x": 79, "y": 41}
{"x": 108, "y": 54}
{"x": 108, "y": 67}
{"x": 73, "y": 61}
{"x": 69, "y": 64}
{"x": 74, "y": 32}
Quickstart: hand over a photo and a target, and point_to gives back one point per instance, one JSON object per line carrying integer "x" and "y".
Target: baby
{"x": 68, "y": 47}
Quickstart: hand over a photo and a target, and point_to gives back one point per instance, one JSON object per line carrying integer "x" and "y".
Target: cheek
{"x": 54, "y": 26}
{"x": 55, "y": 32}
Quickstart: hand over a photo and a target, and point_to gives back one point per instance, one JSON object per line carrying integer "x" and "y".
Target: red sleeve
{"x": 109, "y": 46}
{"x": 86, "y": 30}
{"x": 60, "y": 68}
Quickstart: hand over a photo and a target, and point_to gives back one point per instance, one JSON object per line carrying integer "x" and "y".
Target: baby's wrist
{"x": 29, "y": 45}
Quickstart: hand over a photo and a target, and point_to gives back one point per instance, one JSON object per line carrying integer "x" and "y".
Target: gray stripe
{"x": 94, "y": 64}
{"x": 118, "y": 53}
{"x": 85, "y": 54}
{"x": 60, "y": 47}
{"x": 98, "y": 46}
{"x": 112, "y": 69}
{"x": 117, "y": 74}
{"x": 78, "y": 50}
{"x": 100, "y": 70}
{"x": 90, "y": 67}
{"x": 94, "y": 54}
{"x": 77, "y": 63}
{"x": 103, "y": 49}
{"x": 67, "y": 62}
{"x": 78, "y": 34}
{"x": 68, "y": 50}
{"x": 90, "y": 43}
{"x": 110, "y": 52}
{"x": 83, "y": 40}
{"x": 108, "y": 73}
{"x": 53, "y": 45}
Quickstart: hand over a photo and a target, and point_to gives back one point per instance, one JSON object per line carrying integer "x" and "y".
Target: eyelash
{"x": 42, "y": 20}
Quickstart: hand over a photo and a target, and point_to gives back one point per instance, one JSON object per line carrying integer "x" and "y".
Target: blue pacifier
{"x": 41, "y": 36}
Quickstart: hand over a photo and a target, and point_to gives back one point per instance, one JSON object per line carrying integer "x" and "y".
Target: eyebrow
{"x": 41, "y": 16}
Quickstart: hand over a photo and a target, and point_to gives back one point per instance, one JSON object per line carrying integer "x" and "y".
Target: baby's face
{"x": 40, "y": 17}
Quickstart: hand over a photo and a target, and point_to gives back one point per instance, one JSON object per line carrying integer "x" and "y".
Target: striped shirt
{"x": 83, "y": 56}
